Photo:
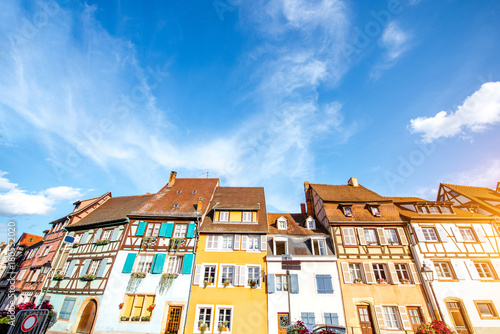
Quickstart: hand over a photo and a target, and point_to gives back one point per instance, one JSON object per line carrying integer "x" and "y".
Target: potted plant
{"x": 58, "y": 277}
{"x": 166, "y": 282}
{"x": 102, "y": 242}
{"x": 75, "y": 245}
{"x": 253, "y": 283}
{"x": 226, "y": 282}
{"x": 175, "y": 243}
{"x": 147, "y": 241}
{"x": 358, "y": 280}
{"x": 381, "y": 280}
{"x": 120, "y": 306}
{"x": 152, "y": 306}
{"x": 123, "y": 318}
{"x": 136, "y": 318}
{"x": 405, "y": 281}
{"x": 138, "y": 275}
{"x": 222, "y": 326}
{"x": 435, "y": 327}
{"x": 146, "y": 318}
{"x": 208, "y": 281}
{"x": 202, "y": 326}
{"x": 134, "y": 281}
{"x": 88, "y": 277}
{"x": 372, "y": 243}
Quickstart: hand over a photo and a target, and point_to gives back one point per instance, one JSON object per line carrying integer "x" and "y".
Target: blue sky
{"x": 104, "y": 96}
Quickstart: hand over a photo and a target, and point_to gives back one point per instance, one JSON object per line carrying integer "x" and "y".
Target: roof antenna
{"x": 205, "y": 173}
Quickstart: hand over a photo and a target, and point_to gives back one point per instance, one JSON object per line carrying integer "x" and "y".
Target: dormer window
{"x": 246, "y": 217}
{"x": 176, "y": 205}
{"x": 422, "y": 209}
{"x": 282, "y": 223}
{"x": 434, "y": 209}
{"x": 445, "y": 209}
{"x": 347, "y": 211}
{"x": 224, "y": 216}
{"x": 179, "y": 191}
{"x": 375, "y": 211}
{"x": 311, "y": 223}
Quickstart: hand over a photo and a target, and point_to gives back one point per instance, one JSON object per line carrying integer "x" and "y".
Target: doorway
{"x": 87, "y": 317}
{"x": 174, "y": 318}
{"x": 457, "y": 313}
{"x": 282, "y": 322}
{"x": 365, "y": 320}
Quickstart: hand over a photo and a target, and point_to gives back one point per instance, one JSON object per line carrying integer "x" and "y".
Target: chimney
{"x": 171, "y": 180}
{"x": 353, "y": 181}
{"x": 303, "y": 208}
{"x": 498, "y": 187}
{"x": 309, "y": 205}
{"x": 199, "y": 206}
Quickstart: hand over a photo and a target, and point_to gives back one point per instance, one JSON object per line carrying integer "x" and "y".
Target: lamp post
{"x": 428, "y": 275}
{"x": 46, "y": 266}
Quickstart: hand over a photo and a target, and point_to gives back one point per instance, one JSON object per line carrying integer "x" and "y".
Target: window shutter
{"x": 209, "y": 244}
{"x": 244, "y": 239}
{"x": 402, "y": 236}
{"x": 263, "y": 243}
{"x": 328, "y": 283}
{"x": 237, "y": 242}
{"x": 320, "y": 284}
{"x": 102, "y": 267}
{"x": 361, "y": 235}
{"x": 140, "y": 229}
{"x": 190, "y": 230}
{"x": 163, "y": 230}
{"x": 114, "y": 236}
{"x": 294, "y": 283}
{"x": 442, "y": 233}
{"x": 270, "y": 283}
{"x": 346, "y": 273}
{"x": 370, "y": 276}
{"x": 334, "y": 317}
{"x": 187, "y": 265}
{"x": 170, "y": 229}
{"x": 472, "y": 269}
{"x": 236, "y": 280}
{"x": 458, "y": 267}
{"x": 380, "y": 316}
{"x": 85, "y": 267}
{"x": 83, "y": 240}
{"x": 70, "y": 268}
{"x": 197, "y": 274}
{"x": 404, "y": 318}
{"x": 158, "y": 263}
{"x": 216, "y": 241}
{"x": 97, "y": 234}
{"x": 129, "y": 263}
{"x": 480, "y": 233}
{"x": 496, "y": 265}
{"x": 381, "y": 236}
{"x": 457, "y": 234}
{"x": 414, "y": 273}
{"x": 394, "y": 274}
{"x": 242, "y": 275}
{"x": 419, "y": 233}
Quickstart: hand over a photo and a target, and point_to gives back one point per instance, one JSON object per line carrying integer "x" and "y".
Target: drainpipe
{"x": 196, "y": 239}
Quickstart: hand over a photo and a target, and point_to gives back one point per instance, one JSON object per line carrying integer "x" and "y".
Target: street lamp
{"x": 47, "y": 268}
{"x": 428, "y": 275}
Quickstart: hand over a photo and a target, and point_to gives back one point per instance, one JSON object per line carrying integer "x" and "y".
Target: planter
{"x": 88, "y": 277}
{"x": 166, "y": 282}
{"x": 57, "y": 277}
{"x": 135, "y": 318}
{"x": 123, "y": 318}
{"x": 138, "y": 275}
{"x": 226, "y": 282}
{"x": 358, "y": 281}
{"x": 175, "y": 243}
{"x": 147, "y": 241}
{"x": 75, "y": 245}
{"x": 147, "y": 318}
{"x": 253, "y": 283}
{"x": 102, "y": 242}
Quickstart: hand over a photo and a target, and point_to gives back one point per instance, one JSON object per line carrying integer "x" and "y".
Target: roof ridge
{"x": 461, "y": 185}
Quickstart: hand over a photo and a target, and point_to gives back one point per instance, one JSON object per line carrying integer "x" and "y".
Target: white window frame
{"x": 317, "y": 248}
{"x": 347, "y": 211}
{"x": 197, "y": 319}
{"x": 430, "y": 237}
{"x": 349, "y": 236}
{"x": 281, "y": 280}
{"x": 94, "y": 266}
{"x": 144, "y": 264}
{"x": 244, "y": 216}
{"x": 390, "y": 233}
{"x": 280, "y": 240}
{"x": 180, "y": 230}
{"x": 467, "y": 234}
{"x": 281, "y": 223}
{"x": 216, "y": 322}
{"x": 310, "y": 223}
{"x": 156, "y": 230}
{"x": 64, "y": 268}
{"x": 374, "y": 236}
{"x": 402, "y": 271}
{"x": 225, "y": 215}
{"x": 211, "y": 265}
{"x": 375, "y": 211}
{"x": 259, "y": 285}
{"x": 228, "y": 239}
{"x": 392, "y": 318}
{"x": 106, "y": 234}
{"x": 255, "y": 242}
{"x": 174, "y": 264}
{"x": 221, "y": 275}
{"x": 354, "y": 269}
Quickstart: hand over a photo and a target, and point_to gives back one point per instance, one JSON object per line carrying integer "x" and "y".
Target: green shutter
{"x": 163, "y": 230}
{"x": 141, "y": 229}
{"x": 129, "y": 263}
{"x": 170, "y": 229}
{"x": 187, "y": 266}
{"x": 190, "y": 230}
{"x": 158, "y": 263}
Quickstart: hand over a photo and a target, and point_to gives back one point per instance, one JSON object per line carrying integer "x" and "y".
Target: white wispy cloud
{"x": 15, "y": 201}
{"x": 477, "y": 113}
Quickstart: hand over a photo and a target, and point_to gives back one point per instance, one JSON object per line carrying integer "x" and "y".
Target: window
{"x": 227, "y": 242}
{"x": 379, "y": 271}
{"x": 430, "y": 234}
{"x": 254, "y": 276}
{"x": 445, "y": 209}
{"x": 486, "y": 309}
{"x": 227, "y": 274}
{"x": 349, "y": 236}
{"x": 391, "y": 317}
{"x": 156, "y": 230}
{"x": 392, "y": 236}
{"x": 34, "y": 276}
{"x": 205, "y": 317}
{"x": 331, "y": 318}
{"x": 402, "y": 272}
{"x": 175, "y": 206}
{"x": 180, "y": 230}
{"x": 253, "y": 243}
{"x": 144, "y": 263}
{"x": 422, "y": 209}
{"x": 415, "y": 315}
{"x": 78, "y": 237}
{"x": 174, "y": 264}
{"x": 375, "y": 211}
{"x": 246, "y": 217}
{"x": 67, "y": 308}
{"x": 319, "y": 247}
{"x": 209, "y": 274}
{"x": 355, "y": 272}
{"x": 93, "y": 267}
{"x": 64, "y": 268}
{"x": 212, "y": 242}
{"x": 484, "y": 270}
{"x": 467, "y": 234}
{"x": 308, "y": 318}
{"x": 281, "y": 283}
{"x": 434, "y": 209}
{"x": 280, "y": 247}
{"x": 443, "y": 270}
{"x": 106, "y": 235}
{"x": 137, "y": 308}
{"x": 347, "y": 211}
{"x": 224, "y": 319}
{"x": 311, "y": 223}
{"x": 324, "y": 284}
{"x": 281, "y": 223}
{"x": 149, "y": 230}
{"x": 224, "y": 216}
{"x": 371, "y": 236}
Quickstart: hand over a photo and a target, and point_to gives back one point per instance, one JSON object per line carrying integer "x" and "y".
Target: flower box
{"x": 405, "y": 281}
{"x": 358, "y": 281}
{"x": 382, "y": 281}
{"x": 75, "y": 245}
{"x": 253, "y": 283}
{"x": 58, "y": 277}
{"x": 175, "y": 243}
{"x": 208, "y": 282}
{"x": 102, "y": 242}
{"x": 226, "y": 282}
{"x": 123, "y": 318}
{"x": 88, "y": 277}
{"x": 138, "y": 275}
{"x": 146, "y": 318}
{"x": 137, "y": 318}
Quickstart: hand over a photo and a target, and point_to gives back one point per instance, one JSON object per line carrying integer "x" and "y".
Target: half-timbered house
{"x": 29, "y": 276}
{"x": 310, "y": 292}
{"x": 462, "y": 248}
{"x": 381, "y": 285}
{"x": 150, "y": 282}
{"x": 482, "y": 200}
{"x": 228, "y": 291}
{"x": 76, "y": 290}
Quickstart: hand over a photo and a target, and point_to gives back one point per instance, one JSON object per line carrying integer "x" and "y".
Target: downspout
{"x": 196, "y": 239}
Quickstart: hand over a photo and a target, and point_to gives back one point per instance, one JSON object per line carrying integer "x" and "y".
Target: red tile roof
{"x": 28, "y": 239}
{"x": 295, "y": 224}
{"x": 347, "y": 193}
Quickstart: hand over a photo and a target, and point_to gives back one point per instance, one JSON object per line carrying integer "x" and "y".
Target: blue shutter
{"x": 170, "y": 229}
{"x": 163, "y": 230}
{"x": 294, "y": 282}
{"x": 190, "y": 230}
{"x": 187, "y": 266}
{"x": 158, "y": 263}
{"x": 270, "y": 283}
{"x": 141, "y": 229}
{"x": 331, "y": 318}
{"x": 320, "y": 284}
{"x": 97, "y": 234}
{"x": 324, "y": 283}
{"x": 129, "y": 263}
{"x": 308, "y": 318}
{"x": 102, "y": 267}
{"x": 114, "y": 236}
{"x": 70, "y": 268}
{"x": 83, "y": 240}
{"x": 85, "y": 267}
{"x": 328, "y": 284}
{"x": 67, "y": 308}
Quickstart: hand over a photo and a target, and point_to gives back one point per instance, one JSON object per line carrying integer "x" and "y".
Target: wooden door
{"x": 87, "y": 318}
{"x": 365, "y": 320}
{"x": 174, "y": 318}
{"x": 415, "y": 318}
{"x": 282, "y": 322}
{"x": 457, "y": 315}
